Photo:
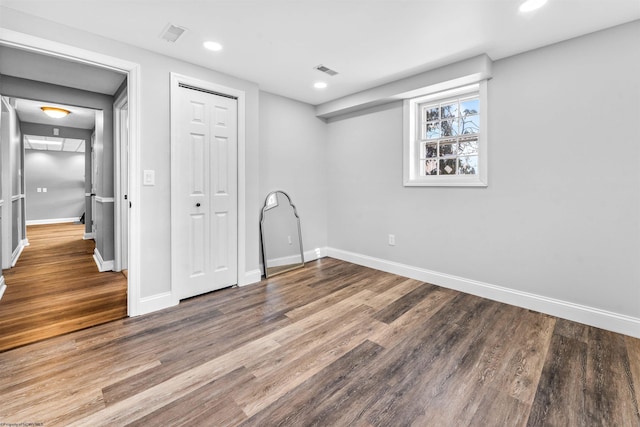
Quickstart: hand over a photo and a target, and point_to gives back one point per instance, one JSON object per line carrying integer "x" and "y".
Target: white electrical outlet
{"x": 44, "y": 189}
{"x": 289, "y": 239}
{"x": 392, "y": 239}
{"x": 39, "y": 189}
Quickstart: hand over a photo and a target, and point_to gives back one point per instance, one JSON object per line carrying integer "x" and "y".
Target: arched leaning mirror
{"x": 281, "y": 237}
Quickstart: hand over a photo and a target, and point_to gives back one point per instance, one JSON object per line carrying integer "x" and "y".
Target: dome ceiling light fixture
{"x": 55, "y": 112}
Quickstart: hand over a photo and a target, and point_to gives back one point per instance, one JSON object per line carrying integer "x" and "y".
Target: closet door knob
{"x": 198, "y": 205}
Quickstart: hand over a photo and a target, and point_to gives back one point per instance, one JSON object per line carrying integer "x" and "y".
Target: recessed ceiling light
{"x": 320, "y": 85}
{"x": 214, "y": 46}
{"x": 530, "y": 5}
{"x": 56, "y": 113}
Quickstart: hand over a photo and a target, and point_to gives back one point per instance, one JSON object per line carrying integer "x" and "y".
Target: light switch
{"x": 149, "y": 177}
{"x": 44, "y": 189}
{"x": 39, "y": 190}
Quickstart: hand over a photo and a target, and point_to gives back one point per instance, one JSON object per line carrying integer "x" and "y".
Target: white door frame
{"x": 5, "y": 192}
{"x": 120, "y": 174}
{"x": 176, "y": 80}
{"x": 132, "y": 69}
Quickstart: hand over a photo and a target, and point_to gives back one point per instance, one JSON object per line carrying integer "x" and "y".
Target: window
{"x": 445, "y": 138}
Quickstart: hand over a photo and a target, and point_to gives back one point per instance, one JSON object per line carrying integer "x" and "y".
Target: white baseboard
{"x": 154, "y": 303}
{"x": 102, "y": 264}
{"x": 3, "y": 286}
{"x": 16, "y": 254}
{"x": 52, "y": 221}
{"x": 250, "y": 277}
{"x": 604, "y": 319}
{"x": 315, "y": 254}
{"x": 89, "y": 236}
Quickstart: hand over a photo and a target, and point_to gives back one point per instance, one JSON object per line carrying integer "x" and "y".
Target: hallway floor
{"x": 55, "y": 288}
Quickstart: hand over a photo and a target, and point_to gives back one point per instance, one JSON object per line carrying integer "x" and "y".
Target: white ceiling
{"x": 276, "y": 43}
{"x": 51, "y": 143}
{"x": 29, "y": 112}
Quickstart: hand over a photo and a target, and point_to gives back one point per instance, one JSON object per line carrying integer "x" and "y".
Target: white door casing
{"x": 121, "y": 187}
{"x": 205, "y": 233}
{"x": 94, "y": 179}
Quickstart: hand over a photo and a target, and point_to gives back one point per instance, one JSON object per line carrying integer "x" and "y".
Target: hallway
{"x": 56, "y": 288}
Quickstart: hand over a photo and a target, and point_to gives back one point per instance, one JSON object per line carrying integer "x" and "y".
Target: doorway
{"x": 63, "y": 52}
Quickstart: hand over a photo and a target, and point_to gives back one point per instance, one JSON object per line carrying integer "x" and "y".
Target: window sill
{"x": 449, "y": 181}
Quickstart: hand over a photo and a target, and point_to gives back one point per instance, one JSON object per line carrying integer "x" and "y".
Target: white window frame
{"x": 412, "y": 142}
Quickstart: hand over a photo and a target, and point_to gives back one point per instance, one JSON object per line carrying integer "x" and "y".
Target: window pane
{"x": 448, "y": 149}
{"x": 448, "y": 166}
{"x": 469, "y": 107}
{"x": 468, "y": 165}
{"x": 449, "y": 127}
{"x": 431, "y": 167}
{"x": 470, "y": 124}
{"x": 449, "y": 110}
{"x": 433, "y": 130}
{"x": 431, "y": 113}
{"x": 468, "y": 146}
{"x": 430, "y": 150}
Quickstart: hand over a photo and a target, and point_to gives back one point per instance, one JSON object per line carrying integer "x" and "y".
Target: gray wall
{"x": 67, "y": 132}
{"x": 62, "y": 174}
{"x": 560, "y": 215}
{"x": 293, "y": 159}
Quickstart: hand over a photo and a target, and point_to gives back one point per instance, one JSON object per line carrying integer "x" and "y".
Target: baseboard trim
{"x": 154, "y": 303}
{"x": 15, "y": 256}
{"x": 3, "y": 286}
{"x": 315, "y": 254}
{"x": 52, "y": 221}
{"x": 101, "y": 263}
{"x": 89, "y": 236}
{"x": 250, "y": 277}
{"x": 592, "y": 316}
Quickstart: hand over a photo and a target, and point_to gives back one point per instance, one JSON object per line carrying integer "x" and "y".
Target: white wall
{"x": 560, "y": 217}
{"x": 293, "y": 159}
{"x": 154, "y": 203}
{"x": 62, "y": 174}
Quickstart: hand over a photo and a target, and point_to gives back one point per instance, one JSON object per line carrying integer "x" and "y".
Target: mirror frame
{"x": 267, "y": 206}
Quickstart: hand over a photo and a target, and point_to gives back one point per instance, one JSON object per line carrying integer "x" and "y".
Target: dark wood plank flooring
{"x": 56, "y": 288}
{"x": 333, "y": 344}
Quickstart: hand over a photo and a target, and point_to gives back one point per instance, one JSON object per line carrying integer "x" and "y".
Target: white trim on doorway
{"x": 132, "y": 69}
{"x": 177, "y": 79}
{"x": 120, "y": 184}
{"x": 3, "y": 286}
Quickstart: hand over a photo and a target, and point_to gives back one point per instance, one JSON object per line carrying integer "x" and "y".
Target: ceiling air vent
{"x": 325, "y": 70}
{"x": 171, "y": 33}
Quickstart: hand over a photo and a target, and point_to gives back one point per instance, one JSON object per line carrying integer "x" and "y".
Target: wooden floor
{"x": 332, "y": 344}
{"x": 56, "y": 288}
